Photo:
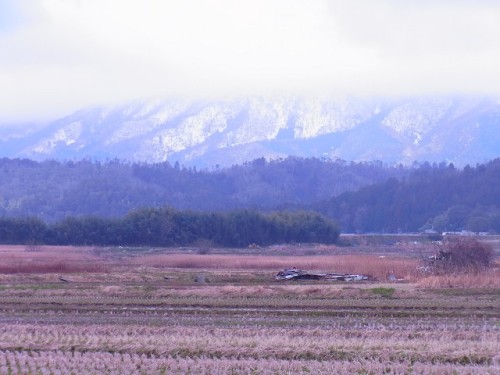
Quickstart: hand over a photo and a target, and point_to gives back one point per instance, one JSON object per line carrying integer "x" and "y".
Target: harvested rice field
{"x": 172, "y": 311}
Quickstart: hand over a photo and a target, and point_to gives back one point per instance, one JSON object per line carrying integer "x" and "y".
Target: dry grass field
{"x": 66, "y": 310}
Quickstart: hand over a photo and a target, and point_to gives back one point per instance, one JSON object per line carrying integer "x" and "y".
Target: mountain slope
{"x": 458, "y": 129}
{"x": 53, "y": 190}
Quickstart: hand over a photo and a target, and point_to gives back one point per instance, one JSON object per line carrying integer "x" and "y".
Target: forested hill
{"x": 362, "y": 197}
{"x": 441, "y": 197}
{"x": 52, "y": 190}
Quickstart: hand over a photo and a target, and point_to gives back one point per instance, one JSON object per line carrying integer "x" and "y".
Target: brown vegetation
{"x": 374, "y": 266}
{"x": 50, "y": 259}
{"x": 490, "y": 279}
{"x": 67, "y": 259}
{"x": 146, "y": 329}
{"x": 148, "y": 315}
{"x": 459, "y": 254}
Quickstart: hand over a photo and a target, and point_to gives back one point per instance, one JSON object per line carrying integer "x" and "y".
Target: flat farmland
{"x": 196, "y": 311}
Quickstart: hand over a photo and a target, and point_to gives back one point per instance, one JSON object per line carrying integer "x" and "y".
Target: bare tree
{"x": 458, "y": 254}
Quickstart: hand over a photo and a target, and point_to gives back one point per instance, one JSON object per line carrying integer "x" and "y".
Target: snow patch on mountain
{"x": 262, "y": 121}
{"x": 190, "y": 132}
{"x": 317, "y": 117}
{"x": 146, "y": 120}
{"x": 68, "y": 135}
{"x": 414, "y": 119}
{"x": 225, "y": 132}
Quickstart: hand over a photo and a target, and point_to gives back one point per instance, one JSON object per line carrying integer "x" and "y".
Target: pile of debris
{"x": 296, "y": 274}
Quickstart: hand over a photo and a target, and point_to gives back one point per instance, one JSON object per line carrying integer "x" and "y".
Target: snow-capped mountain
{"x": 458, "y": 129}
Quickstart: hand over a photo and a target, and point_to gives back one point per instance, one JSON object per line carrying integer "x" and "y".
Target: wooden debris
{"x": 296, "y": 274}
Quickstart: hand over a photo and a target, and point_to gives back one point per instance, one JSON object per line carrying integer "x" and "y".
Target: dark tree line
{"x": 53, "y": 190}
{"x": 362, "y": 197}
{"x": 169, "y": 227}
{"x": 439, "y": 197}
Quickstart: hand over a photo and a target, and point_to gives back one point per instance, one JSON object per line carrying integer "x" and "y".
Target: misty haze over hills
{"x": 456, "y": 129}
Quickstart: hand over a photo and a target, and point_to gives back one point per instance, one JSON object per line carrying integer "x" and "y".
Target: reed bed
{"x": 485, "y": 279}
{"x": 50, "y": 259}
{"x": 375, "y": 266}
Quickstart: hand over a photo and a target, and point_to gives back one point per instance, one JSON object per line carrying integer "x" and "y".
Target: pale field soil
{"x": 60, "y": 362}
{"x": 355, "y": 333}
{"x": 121, "y": 312}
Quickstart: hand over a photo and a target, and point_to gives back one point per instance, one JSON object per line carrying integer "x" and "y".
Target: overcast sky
{"x": 59, "y": 55}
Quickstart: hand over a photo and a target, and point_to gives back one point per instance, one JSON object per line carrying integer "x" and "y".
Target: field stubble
{"x": 153, "y": 314}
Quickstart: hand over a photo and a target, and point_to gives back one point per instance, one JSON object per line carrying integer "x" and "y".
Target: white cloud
{"x": 59, "y": 55}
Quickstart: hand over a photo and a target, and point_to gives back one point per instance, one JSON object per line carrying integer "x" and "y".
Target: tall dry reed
{"x": 374, "y": 266}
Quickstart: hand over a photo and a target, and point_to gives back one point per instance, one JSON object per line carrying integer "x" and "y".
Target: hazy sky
{"x": 60, "y": 55}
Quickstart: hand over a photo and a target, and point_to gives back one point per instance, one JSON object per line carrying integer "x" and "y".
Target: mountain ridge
{"x": 209, "y": 133}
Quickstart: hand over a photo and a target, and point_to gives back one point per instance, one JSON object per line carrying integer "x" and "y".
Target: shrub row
{"x": 169, "y": 227}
